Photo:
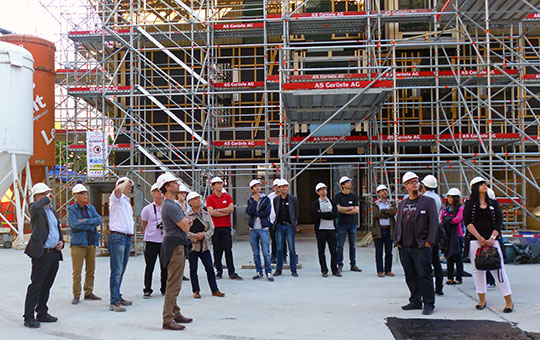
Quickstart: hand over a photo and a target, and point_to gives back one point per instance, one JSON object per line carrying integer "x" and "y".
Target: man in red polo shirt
{"x": 220, "y": 206}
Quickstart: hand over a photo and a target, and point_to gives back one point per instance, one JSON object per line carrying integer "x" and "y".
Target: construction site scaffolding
{"x": 248, "y": 88}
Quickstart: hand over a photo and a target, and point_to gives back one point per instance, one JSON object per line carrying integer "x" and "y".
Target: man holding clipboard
{"x": 200, "y": 235}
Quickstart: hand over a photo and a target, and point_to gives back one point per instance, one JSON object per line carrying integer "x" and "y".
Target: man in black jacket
{"x": 44, "y": 248}
{"x": 416, "y": 228}
{"x": 325, "y": 212}
{"x": 286, "y": 208}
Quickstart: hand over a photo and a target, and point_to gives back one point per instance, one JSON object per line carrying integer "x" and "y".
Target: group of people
{"x": 178, "y": 228}
{"x": 417, "y": 231}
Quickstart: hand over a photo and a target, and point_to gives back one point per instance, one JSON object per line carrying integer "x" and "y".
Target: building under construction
{"x": 309, "y": 90}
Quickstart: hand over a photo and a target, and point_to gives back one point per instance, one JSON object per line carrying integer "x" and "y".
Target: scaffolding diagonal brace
{"x": 187, "y": 9}
{"x": 156, "y": 162}
{"x": 171, "y": 55}
{"x": 172, "y": 115}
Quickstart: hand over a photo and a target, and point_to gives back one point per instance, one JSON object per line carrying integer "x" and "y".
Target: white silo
{"x": 16, "y": 115}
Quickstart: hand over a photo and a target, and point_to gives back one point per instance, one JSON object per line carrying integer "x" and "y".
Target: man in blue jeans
{"x": 119, "y": 243}
{"x": 286, "y": 208}
{"x": 348, "y": 209}
{"x": 258, "y": 209}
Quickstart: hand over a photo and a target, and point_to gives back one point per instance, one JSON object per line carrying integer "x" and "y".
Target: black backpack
{"x": 442, "y": 237}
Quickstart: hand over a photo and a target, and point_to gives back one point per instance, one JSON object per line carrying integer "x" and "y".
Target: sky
{"x": 28, "y": 17}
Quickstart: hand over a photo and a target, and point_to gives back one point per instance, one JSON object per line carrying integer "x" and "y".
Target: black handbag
{"x": 487, "y": 258}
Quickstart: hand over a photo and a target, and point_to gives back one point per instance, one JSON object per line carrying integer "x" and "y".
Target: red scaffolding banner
{"x": 332, "y": 85}
{"x": 236, "y": 26}
{"x": 327, "y": 14}
{"x": 98, "y": 32}
{"x": 99, "y": 88}
{"x": 239, "y": 143}
{"x": 532, "y": 16}
{"x": 408, "y": 138}
{"x": 531, "y": 76}
{"x": 249, "y": 84}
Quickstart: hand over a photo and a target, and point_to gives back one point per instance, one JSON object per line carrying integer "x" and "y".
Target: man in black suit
{"x": 286, "y": 208}
{"x": 44, "y": 248}
{"x": 416, "y": 228}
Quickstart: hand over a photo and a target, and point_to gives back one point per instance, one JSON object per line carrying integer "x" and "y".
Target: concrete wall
{"x": 240, "y": 195}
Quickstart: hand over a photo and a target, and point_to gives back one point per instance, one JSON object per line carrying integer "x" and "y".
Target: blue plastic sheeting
{"x": 64, "y": 174}
{"x": 334, "y": 129}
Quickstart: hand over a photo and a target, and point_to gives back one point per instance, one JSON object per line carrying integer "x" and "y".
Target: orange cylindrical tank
{"x": 44, "y": 74}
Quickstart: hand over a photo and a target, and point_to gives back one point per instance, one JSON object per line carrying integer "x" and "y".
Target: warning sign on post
{"x": 96, "y": 152}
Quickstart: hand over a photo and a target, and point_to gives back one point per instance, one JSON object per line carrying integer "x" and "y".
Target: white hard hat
{"x": 122, "y": 180}
{"x": 477, "y": 180}
{"x": 254, "y": 182}
{"x": 40, "y": 188}
{"x": 491, "y": 193}
{"x": 183, "y": 188}
{"x": 430, "y": 181}
{"x": 154, "y": 187}
{"x": 382, "y": 187}
{"x": 453, "y": 192}
{"x": 344, "y": 179}
{"x": 216, "y": 180}
{"x": 282, "y": 182}
{"x": 79, "y": 188}
{"x": 408, "y": 176}
{"x": 275, "y": 182}
{"x": 165, "y": 178}
{"x": 192, "y": 195}
{"x": 320, "y": 186}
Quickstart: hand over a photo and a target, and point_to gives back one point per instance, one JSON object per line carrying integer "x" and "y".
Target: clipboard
{"x": 198, "y": 226}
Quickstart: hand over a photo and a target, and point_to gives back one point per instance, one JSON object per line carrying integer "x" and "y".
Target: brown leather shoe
{"x": 380, "y": 274}
{"x": 197, "y": 295}
{"x": 390, "y": 274}
{"x": 173, "y": 326}
{"x": 182, "y": 319}
{"x": 92, "y": 296}
{"x": 218, "y": 293}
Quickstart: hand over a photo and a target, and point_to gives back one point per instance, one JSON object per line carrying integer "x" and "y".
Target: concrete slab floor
{"x": 308, "y": 307}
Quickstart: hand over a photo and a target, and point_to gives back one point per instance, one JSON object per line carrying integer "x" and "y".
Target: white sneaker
{"x": 269, "y": 277}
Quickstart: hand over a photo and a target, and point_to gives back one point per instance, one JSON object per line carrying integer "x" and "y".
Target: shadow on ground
{"x": 436, "y": 329}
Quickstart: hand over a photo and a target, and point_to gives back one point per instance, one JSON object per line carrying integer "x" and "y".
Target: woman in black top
{"x": 483, "y": 218}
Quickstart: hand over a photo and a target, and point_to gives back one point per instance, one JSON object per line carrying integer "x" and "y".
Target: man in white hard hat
{"x": 83, "y": 221}
{"x": 174, "y": 249}
{"x": 286, "y": 207}
{"x": 416, "y": 228}
{"x": 200, "y": 236}
{"x": 220, "y": 205}
{"x": 44, "y": 248}
{"x": 153, "y": 238}
{"x": 121, "y": 230}
{"x": 271, "y": 197}
{"x": 384, "y": 222}
{"x": 258, "y": 209}
{"x": 348, "y": 209}
{"x": 324, "y": 214}
{"x": 429, "y": 184}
